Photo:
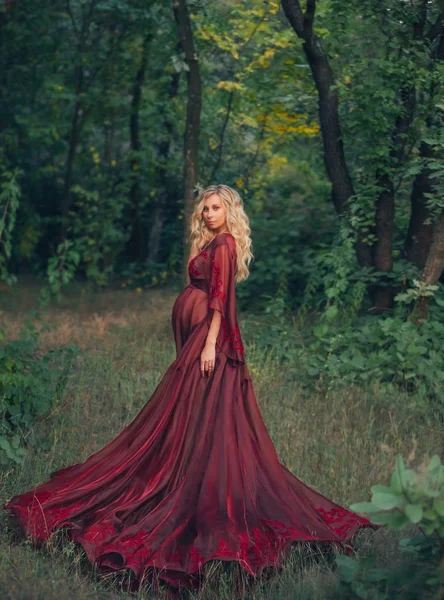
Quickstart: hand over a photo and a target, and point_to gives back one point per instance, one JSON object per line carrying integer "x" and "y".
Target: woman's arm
{"x": 208, "y": 354}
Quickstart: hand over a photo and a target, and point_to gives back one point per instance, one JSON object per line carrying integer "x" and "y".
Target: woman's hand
{"x": 208, "y": 358}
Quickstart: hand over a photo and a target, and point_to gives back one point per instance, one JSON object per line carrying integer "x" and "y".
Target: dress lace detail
{"x": 216, "y": 285}
{"x": 234, "y": 337}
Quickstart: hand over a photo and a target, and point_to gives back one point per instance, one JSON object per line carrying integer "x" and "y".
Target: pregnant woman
{"x": 195, "y": 477}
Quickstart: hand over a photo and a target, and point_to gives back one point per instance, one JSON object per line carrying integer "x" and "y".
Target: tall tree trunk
{"x": 136, "y": 242}
{"x": 222, "y": 138}
{"x": 385, "y": 207}
{"x": 334, "y": 158}
{"x": 382, "y": 251}
{"x": 433, "y": 267}
{"x": 420, "y": 233}
{"x": 192, "y": 125}
{"x": 166, "y": 194}
{"x": 74, "y": 138}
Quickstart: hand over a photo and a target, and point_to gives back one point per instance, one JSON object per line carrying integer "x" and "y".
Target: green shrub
{"x": 30, "y": 385}
{"x": 411, "y": 498}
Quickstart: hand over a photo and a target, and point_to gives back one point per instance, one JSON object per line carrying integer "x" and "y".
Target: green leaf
{"x": 395, "y": 482}
{"x": 364, "y": 507}
{"x": 347, "y": 568}
{"x": 397, "y": 520}
{"x": 438, "y": 506}
{"x": 414, "y": 512}
{"x": 387, "y": 500}
{"x": 435, "y": 463}
{"x": 380, "y": 518}
{"x": 380, "y": 488}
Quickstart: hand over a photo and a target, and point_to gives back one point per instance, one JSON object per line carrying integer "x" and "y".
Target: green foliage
{"x": 96, "y": 231}
{"x": 388, "y": 349}
{"x": 146, "y": 275}
{"x": 412, "y": 498}
{"x": 9, "y": 204}
{"x": 31, "y": 384}
{"x": 61, "y": 270}
{"x": 335, "y": 286}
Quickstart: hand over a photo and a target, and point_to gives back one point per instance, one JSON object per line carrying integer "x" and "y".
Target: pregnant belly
{"x": 190, "y": 309}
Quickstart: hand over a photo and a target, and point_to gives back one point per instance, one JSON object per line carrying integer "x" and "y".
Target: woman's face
{"x": 214, "y": 213}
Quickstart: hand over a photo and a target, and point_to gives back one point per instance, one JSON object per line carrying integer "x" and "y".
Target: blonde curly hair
{"x": 237, "y": 224}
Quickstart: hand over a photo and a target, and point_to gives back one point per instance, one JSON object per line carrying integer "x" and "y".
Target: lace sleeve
{"x": 221, "y": 268}
{"x": 222, "y": 297}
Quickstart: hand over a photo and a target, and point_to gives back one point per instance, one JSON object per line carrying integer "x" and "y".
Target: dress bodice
{"x": 212, "y": 271}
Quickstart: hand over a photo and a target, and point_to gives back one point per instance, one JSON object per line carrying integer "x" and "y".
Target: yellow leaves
{"x": 262, "y": 60}
{"x": 281, "y": 123}
{"x": 229, "y": 86}
{"x": 224, "y": 42}
{"x": 312, "y": 129}
{"x": 347, "y": 79}
{"x": 138, "y": 290}
{"x": 113, "y": 163}
{"x": 276, "y": 161}
{"x": 243, "y": 119}
{"x": 213, "y": 144}
{"x": 95, "y": 155}
{"x": 274, "y": 7}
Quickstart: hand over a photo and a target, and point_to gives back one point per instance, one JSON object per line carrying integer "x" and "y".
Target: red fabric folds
{"x": 195, "y": 476}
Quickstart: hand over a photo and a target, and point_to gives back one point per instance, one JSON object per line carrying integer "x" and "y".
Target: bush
{"x": 412, "y": 498}
{"x": 30, "y": 385}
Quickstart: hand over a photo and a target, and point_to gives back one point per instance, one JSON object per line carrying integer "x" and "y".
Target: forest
{"x": 327, "y": 117}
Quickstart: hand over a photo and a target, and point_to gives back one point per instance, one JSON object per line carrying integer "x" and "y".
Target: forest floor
{"x": 340, "y": 443}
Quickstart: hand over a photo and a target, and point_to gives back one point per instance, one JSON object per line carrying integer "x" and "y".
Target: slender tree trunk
{"x": 74, "y": 138}
{"x": 420, "y": 233}
{"x": 192, "y": 125}
{"x": 166, "y": 194}
{"x": 382, "y": 251}
{"x": 222, "y": 138}
{"x": 433, "y": 267}
{"x": 136, "y": 242}
{"x": 78, "y": 118}
{"x": 334, "y": 157}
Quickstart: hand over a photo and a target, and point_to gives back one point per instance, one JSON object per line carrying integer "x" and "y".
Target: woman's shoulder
{"x": 225, "y": 238}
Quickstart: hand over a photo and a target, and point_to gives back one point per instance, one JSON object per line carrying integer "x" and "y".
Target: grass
{"x": 338, "y": 441}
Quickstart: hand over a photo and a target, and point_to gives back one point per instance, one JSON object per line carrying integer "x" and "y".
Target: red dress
{"x": 195, "y": 476}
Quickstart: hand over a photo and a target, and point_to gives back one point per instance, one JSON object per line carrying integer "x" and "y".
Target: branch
{"x": 222, "y": 135}
{"x": 74, "y": 24}
{"x": 437, "y": 28}
{"x": 309, "y": 16}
